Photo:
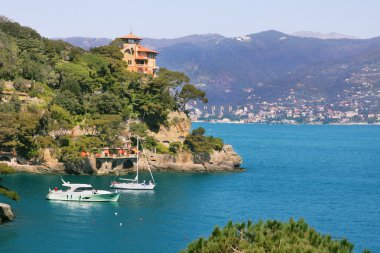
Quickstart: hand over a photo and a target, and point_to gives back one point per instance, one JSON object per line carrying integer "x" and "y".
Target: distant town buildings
{"x": 139, "y": 59}
{"x": 358, "y": 102}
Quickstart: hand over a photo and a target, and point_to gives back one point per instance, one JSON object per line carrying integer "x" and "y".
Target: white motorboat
{"x": 81, "y": 192}
{"x": 134, "y": 184}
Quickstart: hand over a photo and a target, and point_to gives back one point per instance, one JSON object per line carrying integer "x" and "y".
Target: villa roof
{"x": 145, "y": 49}
{"x": 139, "y": 57}
{"x": 130, "y": 36}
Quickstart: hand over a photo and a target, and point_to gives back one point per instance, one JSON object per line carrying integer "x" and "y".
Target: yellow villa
{"x": 140, "y": 59}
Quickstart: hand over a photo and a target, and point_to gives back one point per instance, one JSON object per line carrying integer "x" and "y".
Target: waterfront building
{"x": 139, "y": 59}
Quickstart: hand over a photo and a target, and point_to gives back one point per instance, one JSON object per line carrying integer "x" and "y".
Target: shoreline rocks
{"x": 6, "y": 213}
{"x": 178, "y": 127}
{"x": 226, "y": 160}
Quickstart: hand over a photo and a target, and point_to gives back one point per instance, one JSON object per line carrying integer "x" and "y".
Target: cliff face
{"x": 225, "y": 160}
{"x": 178, "y": 127}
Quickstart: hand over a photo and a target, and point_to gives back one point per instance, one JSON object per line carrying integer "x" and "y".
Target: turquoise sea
{"x": 329, "y": 175}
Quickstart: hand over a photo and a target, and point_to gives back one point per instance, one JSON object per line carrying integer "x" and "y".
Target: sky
{"x": 176, "y": 18}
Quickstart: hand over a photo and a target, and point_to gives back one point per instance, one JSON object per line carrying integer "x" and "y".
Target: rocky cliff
{"x": 225, "y": 160}
{"x": 175, "y": 131}
{"x": 178, "y": 127}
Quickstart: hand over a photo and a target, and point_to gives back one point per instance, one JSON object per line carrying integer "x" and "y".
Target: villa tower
{"x": 140, "y": 59}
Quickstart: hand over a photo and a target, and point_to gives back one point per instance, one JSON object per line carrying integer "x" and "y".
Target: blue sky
{"x": 174, "y": 18}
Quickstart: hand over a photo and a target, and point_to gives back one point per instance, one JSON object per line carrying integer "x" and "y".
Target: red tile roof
{"x": 145, "y": 49}
{"x": 130, "y": 36}
{"x": 141, "y": 57}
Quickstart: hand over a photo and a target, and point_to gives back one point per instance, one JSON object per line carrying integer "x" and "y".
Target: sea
{"x": 327, "y": 175}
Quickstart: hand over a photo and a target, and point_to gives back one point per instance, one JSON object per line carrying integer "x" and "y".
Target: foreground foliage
{"x": 270, "y": 236}
{"x": 5, "y": 169}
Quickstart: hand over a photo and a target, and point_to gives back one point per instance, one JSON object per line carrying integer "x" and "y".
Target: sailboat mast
{"x": 137, "y": 156}
{"x": 147, "y": 161}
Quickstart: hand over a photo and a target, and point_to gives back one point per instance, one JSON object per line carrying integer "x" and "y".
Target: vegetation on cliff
{"x": 5, "y": 169}
{"x": 48, "y": 87}
{"x": 199, "y": 143}
{"x": 270, "y": 236}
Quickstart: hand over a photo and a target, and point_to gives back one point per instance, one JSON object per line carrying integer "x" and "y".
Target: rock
{"x": 177, "y": 129}
{"x": 5, "y": 213}
{"x": 48, "y": 159}
{"x": 227, "y": 157}
{"x": 80, "y": 166}
{"x": 225, "y": 160}
{"x": 39, "y": 169}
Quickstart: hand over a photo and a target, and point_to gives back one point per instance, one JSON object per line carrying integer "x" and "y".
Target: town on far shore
{"x": 357, "y": 103}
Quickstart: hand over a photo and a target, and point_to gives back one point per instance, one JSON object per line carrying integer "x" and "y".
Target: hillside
{"x": 269, "y": 65}
{"x": 60, "y": 100}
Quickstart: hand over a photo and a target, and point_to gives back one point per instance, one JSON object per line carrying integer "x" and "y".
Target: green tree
{"x": 112, "y": 51}
{"x": 197, "y": 142}
{"x": 106, "y": 103}
{"x": 107, "y": 127}
{"x": 270, "y": 237}
{"x": 172, "y": 79}
{"x": 17, "y": 132}
{"x": 190, "y": 92}
{"x": 69, "y": 101}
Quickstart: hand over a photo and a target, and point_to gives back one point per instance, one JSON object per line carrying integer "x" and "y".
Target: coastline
{"x": 291, "y": 124}
{"x": 226, "y": 160}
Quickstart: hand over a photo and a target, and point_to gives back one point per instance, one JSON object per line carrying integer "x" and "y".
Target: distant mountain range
{"x": 266, "y": 65}
{"x": 85, "y": 42}
{"x": 323, "y": 36}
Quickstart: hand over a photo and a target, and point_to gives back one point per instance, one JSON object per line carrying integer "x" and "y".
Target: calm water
{"x": 329, "y": 175}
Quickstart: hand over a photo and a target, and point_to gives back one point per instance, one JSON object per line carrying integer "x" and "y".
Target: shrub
{"x": 198, "y": 143}
{"x": 138, "y": 128}
{"x": 162, "y": 149}
{"x": 5, "y": 169}
{"x": 175, "y": 147}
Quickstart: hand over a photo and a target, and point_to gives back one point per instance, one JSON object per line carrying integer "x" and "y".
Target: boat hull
{"x": 132, "y": 186}
{"x": 83, "y": 197}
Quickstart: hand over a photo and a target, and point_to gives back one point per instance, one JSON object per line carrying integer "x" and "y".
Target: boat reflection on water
{"x": 81, "y": 206}
{"x": 134, "y": 192}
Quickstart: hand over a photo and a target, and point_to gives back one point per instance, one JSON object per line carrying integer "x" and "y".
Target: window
{"x": 81, "y": 189}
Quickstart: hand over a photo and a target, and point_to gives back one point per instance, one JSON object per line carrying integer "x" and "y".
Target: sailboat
{"x": 134, "y": 184}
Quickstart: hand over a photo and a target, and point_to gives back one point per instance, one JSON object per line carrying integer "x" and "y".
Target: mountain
{"x": 270, "y": 65}
{"x": 85, "y": 42}
{"x": 193, "y": 39}
{"x": 322, "y": 36}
